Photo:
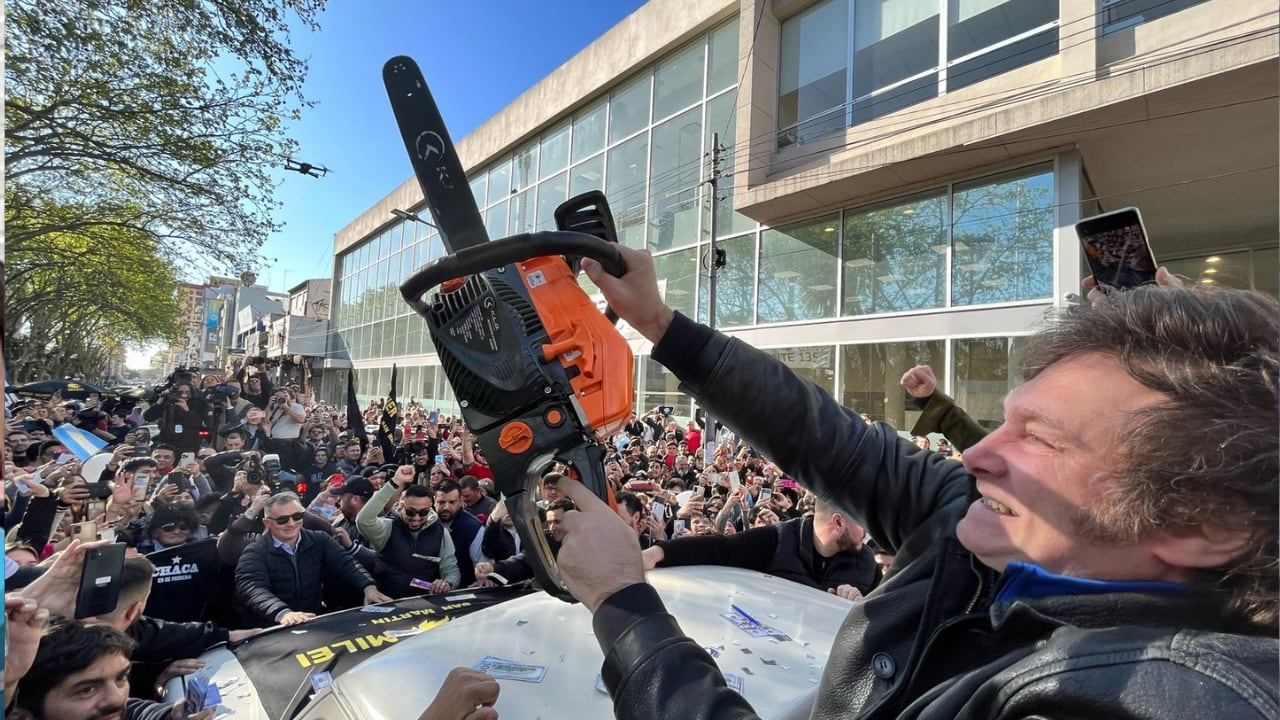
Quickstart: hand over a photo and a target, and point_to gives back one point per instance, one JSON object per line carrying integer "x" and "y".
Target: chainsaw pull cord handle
{"x": 499, "y": 253}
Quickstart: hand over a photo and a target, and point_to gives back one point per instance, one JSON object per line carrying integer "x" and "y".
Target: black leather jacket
{"x": 929, "y": 642}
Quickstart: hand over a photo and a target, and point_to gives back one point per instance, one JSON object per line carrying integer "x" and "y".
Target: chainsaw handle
{"x": 517, "y": 248}
{"x": 586, "y": 465}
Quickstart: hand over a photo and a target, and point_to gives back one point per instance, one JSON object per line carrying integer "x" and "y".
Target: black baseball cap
{"x": 360, "y": 487}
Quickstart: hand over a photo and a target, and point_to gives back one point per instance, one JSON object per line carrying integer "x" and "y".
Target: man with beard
{"x": 415, "y": 552}
{"x": 81, "y": 672}
{"x": 466, "y": 530}
{"x": 824, "y": 551}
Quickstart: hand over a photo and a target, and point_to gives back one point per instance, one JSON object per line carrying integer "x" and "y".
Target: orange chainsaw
{"x": 541, "y": 374}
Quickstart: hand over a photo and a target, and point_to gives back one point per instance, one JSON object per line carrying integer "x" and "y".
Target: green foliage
{"x": 162, "y": 118}
{"x": 76, "y": 298}
{"x": 139, "y": 137}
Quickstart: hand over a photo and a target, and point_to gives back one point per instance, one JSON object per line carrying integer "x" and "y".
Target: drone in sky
{"x": 304, "y": 168}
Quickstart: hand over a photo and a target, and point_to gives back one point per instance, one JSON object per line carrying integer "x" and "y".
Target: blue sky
{"x": 477, "y": 55}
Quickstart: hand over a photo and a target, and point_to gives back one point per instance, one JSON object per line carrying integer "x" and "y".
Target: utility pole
{"x": 715, "y": 258}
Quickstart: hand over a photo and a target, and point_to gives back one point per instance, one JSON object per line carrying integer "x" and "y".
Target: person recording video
{"x": 179, "y": 416}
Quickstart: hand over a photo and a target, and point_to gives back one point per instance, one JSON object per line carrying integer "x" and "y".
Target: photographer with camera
{"x": 180, "y": 417}
{"x": 285, "y": 419}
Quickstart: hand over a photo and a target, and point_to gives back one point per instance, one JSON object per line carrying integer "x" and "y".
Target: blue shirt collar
{"x": 1024, "y": 581}
{"x": 291, "y": 549}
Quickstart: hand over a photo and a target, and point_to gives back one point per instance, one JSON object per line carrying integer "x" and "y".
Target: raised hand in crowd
{"x": 919, "y": 381}
{"x": 467, "y": 694}
{"x": 56, "y": 589}
{"x": 25, "y": 620}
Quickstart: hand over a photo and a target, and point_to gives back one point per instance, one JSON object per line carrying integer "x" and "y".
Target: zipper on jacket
{"x": 982, "y": 586}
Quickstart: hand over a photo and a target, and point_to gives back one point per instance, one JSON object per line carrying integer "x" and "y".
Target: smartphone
{"x": 141, "y": 450}
{"x": 1116, "y": 247}
{"x": 85, "y": 532}
{"x": 682, "y": 524}
{"x": 65, "y": 458}
{"x": 659, "y": 510}
{"x": 734, "y": 482}
{"x": 141, "y": 481}
{"x": 706, "y": 493}
{"x": 100, "y": 581}
{"x": 766, "y": 494}
{"x": 439, "y": 459}
{"x": 666, "y": 409}
{"x": 499, "y": 580}
{"x": 187, "y": 457}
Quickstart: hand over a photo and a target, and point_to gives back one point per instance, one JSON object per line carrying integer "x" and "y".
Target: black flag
{"x": 390, "y": 421}
{"x": 355, "y": 421}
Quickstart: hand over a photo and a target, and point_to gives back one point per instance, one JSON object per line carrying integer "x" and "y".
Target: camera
{"x": 253, "y": 471}
{"x": 271, "y": 470}
{"x": 219, "y": 397}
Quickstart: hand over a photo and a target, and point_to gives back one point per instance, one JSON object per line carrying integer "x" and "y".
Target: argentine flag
{"x": 81, "y": 443}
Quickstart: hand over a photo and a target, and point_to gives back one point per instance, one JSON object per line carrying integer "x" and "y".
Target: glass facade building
{"x": 952, "y": 273}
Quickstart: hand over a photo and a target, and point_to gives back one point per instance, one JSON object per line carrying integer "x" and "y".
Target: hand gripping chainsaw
{"x": 541, "y": 375}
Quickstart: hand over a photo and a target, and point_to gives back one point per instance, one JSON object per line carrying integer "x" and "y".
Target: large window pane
{"x": 588, "y": 175}
{"x": 413, "y": 342}
{"x": 798, "y": 271}
{"x": 625, "y": 188}
{"x": 551, "y": 193}
{"x": 1003, "y": 239}
{"x": 895, "y": 257}
{"x": 987, "y": 65}
{"x": 522, "y": 219}
{"x": 721, "y": 119}
{"x": 722, "y": 70}
{"x": 662, "y": 388}
{"x": 588, "y": 132}
{"x": 892, "y": 41}
{"x": 870, "y": 374}
{"x": 812, "y": 71}
{"x": 674, "y": 172}
{"x": 735, "y": 283}
{"x": 817, "y": 363}
{"x": 977, "y": 24}
{"x": 396, "y": 234}
{"x": 496, "y": 221}
{"x": 986, "y": 369}
{"x": 1127, "y": 13}
{"x": 524, "y": 168}
{"x": 399, "y": 335}
{"x": 500, "y": 182}
{"x": 677, "y": 275}
{"x": 478, "y": 189}
{"x": 555, "y": 152}
{"x": 677, "y": 81}
{"x": 629, "y": 108}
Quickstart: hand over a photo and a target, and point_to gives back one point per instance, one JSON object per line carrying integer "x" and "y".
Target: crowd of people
{"x": 309, "y": 517}
{"x": 334, "y": 523}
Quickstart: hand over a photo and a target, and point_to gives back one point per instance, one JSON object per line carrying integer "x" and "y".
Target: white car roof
{"x": 779, "y": 675}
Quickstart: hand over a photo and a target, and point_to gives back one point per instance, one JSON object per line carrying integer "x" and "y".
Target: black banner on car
{"x": 281, "y": 663}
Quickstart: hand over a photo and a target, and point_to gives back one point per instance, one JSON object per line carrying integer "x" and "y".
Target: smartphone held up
{"x": 1116, "y": 247}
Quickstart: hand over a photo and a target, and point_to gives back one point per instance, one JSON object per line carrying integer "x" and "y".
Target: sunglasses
{"x": 410, "y": 512}
{"x": 170, "y": 527}
{"x": 286, "y": 519}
